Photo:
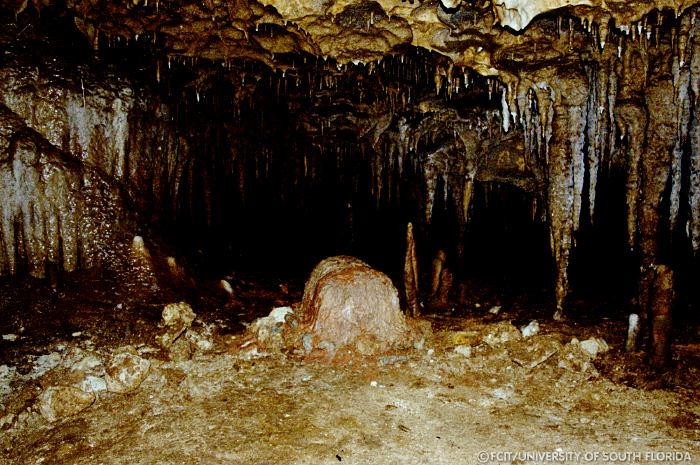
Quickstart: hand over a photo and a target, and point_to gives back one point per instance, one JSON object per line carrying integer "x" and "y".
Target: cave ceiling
{"x": 492, "y": 37}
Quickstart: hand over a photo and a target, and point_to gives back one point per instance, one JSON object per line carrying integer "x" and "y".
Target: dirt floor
{"x": 474, "y": 391}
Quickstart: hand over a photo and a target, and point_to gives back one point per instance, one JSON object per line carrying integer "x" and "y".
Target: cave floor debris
{"x": 435, "y": 404}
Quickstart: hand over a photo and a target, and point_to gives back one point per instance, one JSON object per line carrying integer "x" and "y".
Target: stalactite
{"x": 693, "y": 226}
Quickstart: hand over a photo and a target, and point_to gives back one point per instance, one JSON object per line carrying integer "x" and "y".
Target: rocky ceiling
{"x": 489, "y": 36}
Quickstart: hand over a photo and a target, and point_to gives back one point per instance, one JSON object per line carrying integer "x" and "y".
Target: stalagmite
{"x": 410, "y": 274}
{"x": 660, "y": 306}
{"x": 438, "y": 264}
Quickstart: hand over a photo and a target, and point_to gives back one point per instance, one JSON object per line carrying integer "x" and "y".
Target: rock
{"x": 126, "y": 372}
{"x": 344, "y": 298}
{"x": 7, "y": 375}
{"x": 88, "y": 363}
{"x": 594, "y": 346}
{"x": 464, "y": 350}
{"x": 9, "y": 337}
{"x": 268, "y": 330}
{"x": 573, "y": 358}
{"x": 458, "y": 338}
{"x": 493, "y": 310}
{"x": 45, "y": 363}
{"x": 177, "y": 318}
{"x": 180, "y": 350}
{"x": 178, "y": 314}
{"x": 500, "y": 333}
{"x": 201, "y": 340}
{"x": 537, "y": 349}
{"x": 308, "y": 342}
{"x": 503, "y": 393}
{"x": 58, "y": 402}
{"x": 93, "y": 384}
{"x": 531, "y": 329}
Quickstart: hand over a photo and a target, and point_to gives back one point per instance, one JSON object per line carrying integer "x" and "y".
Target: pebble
{"x": 58, "y": 402}
{"x": 126, "y": 372}
{"x": 463, "y": 350}
{"x": 531, "y": 329}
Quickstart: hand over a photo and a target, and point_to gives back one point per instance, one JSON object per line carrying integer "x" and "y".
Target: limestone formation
{"x": 346, "y": 301}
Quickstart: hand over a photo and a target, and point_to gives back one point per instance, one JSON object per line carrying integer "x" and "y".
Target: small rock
{"x": 87, "y": 363}
{"x": 77, "y": 334}
{"x": 308, "y": 342}
{"x": 178, "y": 314}
{"x": 503, "y": 393}
{"x": 58, "y": 402}
{"x": 418, "y": 344}
{"x": 7, "y": 420}
{"x": 9, "y": 337}
{"x": 279, "y": 314}
{"x": 93, "y": 384}
{"x": 536, "y": 350}
{"x": 391, "y": 359}
{"x": 180, "y": 350}
{"x": 531, "y": 329}
{"x": 126, "y": 372}
{"x": 469, "y": 338}
{"x": 594, "y": 346}
{"x": 500, "y": 333}
{"x": 495, "y": 309}
{"x": 464, "y": 350}
{"x": 200, "y": 340}
{"x": 45, "y": 363}
{"x": 373, "y": 383}
{"x": 573, "y": 358}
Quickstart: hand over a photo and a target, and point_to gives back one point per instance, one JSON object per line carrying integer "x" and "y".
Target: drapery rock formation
{"x": 411, "y": 104}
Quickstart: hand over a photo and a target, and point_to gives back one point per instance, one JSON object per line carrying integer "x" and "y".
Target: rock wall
{"x": 80, "y": 154}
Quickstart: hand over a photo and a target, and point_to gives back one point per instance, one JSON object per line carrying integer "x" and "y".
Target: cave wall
{"x": 85, "y": 159}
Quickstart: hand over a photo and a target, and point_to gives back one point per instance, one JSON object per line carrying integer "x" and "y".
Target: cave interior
{"x": 151, "y": 149}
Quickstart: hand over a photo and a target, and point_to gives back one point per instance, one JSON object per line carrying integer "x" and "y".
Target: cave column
{"x": 565, "y": 172}
{"x": 656, "y": 281}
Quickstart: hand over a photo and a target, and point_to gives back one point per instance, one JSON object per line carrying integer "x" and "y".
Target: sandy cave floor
{"x": 429, "y": 405}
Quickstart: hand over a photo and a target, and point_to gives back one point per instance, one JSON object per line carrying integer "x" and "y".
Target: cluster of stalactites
{"x": 634, "y": 107}
{"x": 70, "y": 138}
{"x": 55, "y": 210}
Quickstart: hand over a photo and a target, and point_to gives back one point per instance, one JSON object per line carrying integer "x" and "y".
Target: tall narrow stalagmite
{"x": 410, "y": 274}
{"x": 660, "y": 350}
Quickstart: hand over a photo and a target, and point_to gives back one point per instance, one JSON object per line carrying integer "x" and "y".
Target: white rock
{"x": 495, "y": 309}
{"x": 279, "y": 314}
{"x": 9, "y": 337}
{"x": 226, "y": 286}
{"x": 87, "y": 363}
{"x": 58, "y": 402}
{"x": 178, "y": 314}
{"x": 531, "y": 329}
{"x": 93, "y": 384}
{"x": 126, "y": 372}
{"x": 503, "y": 393}
{"x": 464, "y": 350}
{"x": 45, "y": 363}
{"x": 201, "y": 341}
{"x": 594, "y": 346}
